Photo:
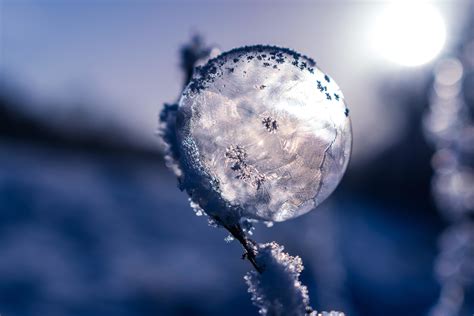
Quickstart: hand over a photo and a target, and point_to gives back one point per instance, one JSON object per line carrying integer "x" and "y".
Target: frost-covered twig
{"x": 250, "y": 246}
{"x": 220, "y": 158}
{"x": 278, "y": 291}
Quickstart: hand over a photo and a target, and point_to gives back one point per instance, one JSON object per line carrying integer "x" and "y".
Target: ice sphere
{"x": 263, "y": 134}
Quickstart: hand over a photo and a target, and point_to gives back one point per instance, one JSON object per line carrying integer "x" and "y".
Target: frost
{"x": 167, "y": 133}
{"x": 263, "y": 133}
{"x": 247, "y": 225}
{"x": 211, "y": 222}
{"x": 259, "y": 134}
{"x": 196, "y": 208}
{"x": 278, "y": 290}
{"x": 268, "y": 224}
{"x": 229, "y": 238}
{"x": 332, "y": 313}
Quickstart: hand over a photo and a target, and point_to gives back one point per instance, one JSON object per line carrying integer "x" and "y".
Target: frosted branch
{"x": 274, "y": 285}
{"x": 277, "y": 290}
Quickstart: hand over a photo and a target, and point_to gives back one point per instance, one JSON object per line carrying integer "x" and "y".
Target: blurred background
{"x": 92, "y": 222}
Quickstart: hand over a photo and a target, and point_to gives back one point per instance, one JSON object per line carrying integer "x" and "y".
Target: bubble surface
{"x": 263, "y": 134}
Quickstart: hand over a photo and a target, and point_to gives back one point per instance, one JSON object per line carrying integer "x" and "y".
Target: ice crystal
{"x": 229, "y": 238}
{"x": 332, "y": 313}
{"x": 196, "y": 208}
{"x": 263, "y": 134}
{"x": 278, "y": 291}
{"x": 168, "y": 134}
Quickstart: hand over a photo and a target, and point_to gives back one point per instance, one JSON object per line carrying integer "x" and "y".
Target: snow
{"x": 278, "y": 290}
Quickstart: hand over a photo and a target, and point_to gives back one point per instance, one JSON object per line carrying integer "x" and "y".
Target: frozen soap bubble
{"x": 263, "y": 134}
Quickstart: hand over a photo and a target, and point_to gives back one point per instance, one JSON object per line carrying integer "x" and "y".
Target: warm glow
{"x": 410, "y": 33}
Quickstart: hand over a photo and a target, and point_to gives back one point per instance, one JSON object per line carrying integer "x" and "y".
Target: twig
{"x": 248, "y": 244}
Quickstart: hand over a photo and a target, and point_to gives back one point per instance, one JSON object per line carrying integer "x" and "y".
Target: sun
{"x": 409, "y": 33}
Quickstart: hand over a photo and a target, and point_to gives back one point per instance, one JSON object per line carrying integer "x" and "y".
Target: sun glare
{"x": 410, "y": 33}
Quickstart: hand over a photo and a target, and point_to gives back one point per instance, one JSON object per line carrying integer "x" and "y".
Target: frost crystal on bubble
{"x": 263, "y": 134}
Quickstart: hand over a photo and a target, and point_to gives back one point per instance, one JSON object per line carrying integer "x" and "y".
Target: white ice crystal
{"x": 263, "y": 133}
{"x": 332, "y": 313}
{"x": 277, "y": 290}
